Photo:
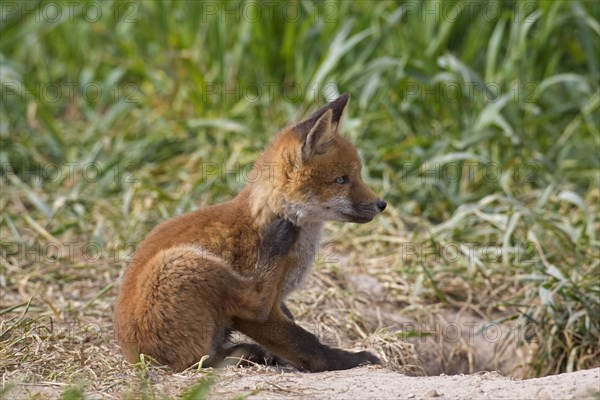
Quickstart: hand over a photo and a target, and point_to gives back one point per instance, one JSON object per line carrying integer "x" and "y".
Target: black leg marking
{"x": 278, "y": 237}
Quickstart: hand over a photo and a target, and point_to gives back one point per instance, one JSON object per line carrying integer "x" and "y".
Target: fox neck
{"x": 266, "y": 201}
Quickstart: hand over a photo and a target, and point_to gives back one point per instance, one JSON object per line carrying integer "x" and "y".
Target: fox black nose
{"x": 381, "y": 205}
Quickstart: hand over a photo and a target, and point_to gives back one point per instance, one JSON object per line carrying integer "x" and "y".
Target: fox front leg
{"x": 262, "y": 291}
{"x": 278, "y": 238}
{"x": 289, "y": 341}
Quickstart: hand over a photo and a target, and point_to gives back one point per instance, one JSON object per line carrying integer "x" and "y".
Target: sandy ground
{"x": 378, "y": 383}
{"x": 360, "y": 383}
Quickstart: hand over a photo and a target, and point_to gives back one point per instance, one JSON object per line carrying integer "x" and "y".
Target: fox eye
{"x": 342, "y": 180}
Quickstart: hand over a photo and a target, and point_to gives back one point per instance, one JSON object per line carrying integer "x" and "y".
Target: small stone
{"x": 410, "y": 396}
{"x": 432, "y": 393}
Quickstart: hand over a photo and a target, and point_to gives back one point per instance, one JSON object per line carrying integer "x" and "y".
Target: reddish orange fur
{"x": 196, "y": 276}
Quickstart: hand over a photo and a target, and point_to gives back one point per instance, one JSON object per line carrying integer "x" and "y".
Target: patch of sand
{"x": 379, "y": 383}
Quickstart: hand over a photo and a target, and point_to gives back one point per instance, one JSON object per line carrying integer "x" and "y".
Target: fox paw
{"x": 367, "y": 358}
{"x": 337, "y": 359}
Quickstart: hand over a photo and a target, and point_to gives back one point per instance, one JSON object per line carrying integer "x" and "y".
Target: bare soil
{"x": 358, "y": 383}
{"x": 379, "y": 383}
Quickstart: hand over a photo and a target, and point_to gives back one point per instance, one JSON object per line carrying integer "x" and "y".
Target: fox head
{"x": 316, "y": 173}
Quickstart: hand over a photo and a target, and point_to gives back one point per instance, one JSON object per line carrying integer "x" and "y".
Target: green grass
{"x": 479, "y": 124}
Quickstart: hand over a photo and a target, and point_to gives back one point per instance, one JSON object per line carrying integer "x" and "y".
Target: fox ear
{"x": 319, "y": 136}
{"x": 320, "y": 128}
{"x": 337, "y": 108}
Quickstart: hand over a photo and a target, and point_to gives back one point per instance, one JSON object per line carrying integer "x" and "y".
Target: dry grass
{"x": 59, "y": 336}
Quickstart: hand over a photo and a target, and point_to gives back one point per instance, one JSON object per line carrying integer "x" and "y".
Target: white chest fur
{"x": 305, "y": 250}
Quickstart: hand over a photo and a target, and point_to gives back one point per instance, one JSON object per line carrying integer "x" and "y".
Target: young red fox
{"x": 199, "y": 276}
